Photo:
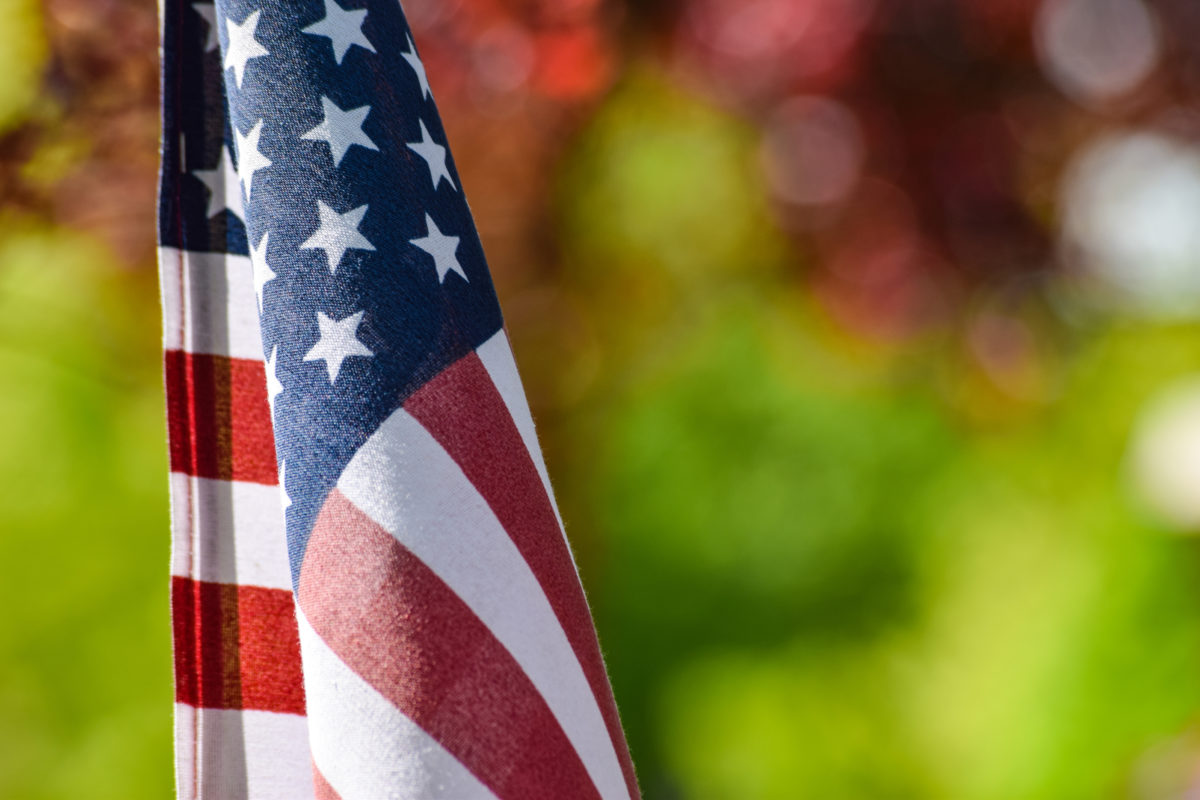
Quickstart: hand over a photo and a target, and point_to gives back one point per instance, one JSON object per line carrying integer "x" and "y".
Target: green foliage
{"x": 819, "y": 576}
{"x": 760, "y": 507}
{"x": 660, "y": 168}
{"x": 838, "y": 591}
{"x": 85, "y": 698}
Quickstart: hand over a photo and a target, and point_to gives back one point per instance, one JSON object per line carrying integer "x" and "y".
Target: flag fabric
{"x": 372, "y": 594}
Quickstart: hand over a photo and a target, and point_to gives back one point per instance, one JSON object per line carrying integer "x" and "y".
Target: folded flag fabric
{"x": 372, "y": 594}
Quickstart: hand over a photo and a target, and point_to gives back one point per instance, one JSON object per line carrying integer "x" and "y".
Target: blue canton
{"x": 370, "y": 273}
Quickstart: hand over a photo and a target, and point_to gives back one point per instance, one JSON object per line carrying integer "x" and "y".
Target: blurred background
{"x": 864, "y": 341}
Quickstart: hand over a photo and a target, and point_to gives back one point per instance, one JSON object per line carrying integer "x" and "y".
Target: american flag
{"x": 372, "y": 593}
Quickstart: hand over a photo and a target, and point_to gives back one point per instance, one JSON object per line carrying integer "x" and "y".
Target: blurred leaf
{"x": 661, "y": 201}
{"x": 804, "y": 722}
{"x": 22, "y": 56}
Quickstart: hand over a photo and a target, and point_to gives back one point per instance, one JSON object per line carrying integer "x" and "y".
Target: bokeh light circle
{"x": 1097, "y": 50}
{"x": 1166, "y": 456}
{"x": 812, "y": 151}
{"x": 1131, "y": 206}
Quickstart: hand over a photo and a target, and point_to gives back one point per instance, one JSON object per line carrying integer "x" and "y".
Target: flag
{"x": 372, "y": 593}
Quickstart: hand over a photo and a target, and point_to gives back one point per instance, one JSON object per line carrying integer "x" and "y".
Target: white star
{"x": 339, "y": 341}
{"x": 263, "y": 274}
{"x": 208, "y": 12}
{"x": 274, "y": 385}
{"x": 242, "y": 45}
{"x": 337, "y": 233}
{"x": 443, "y": 248}
{"x": 414, "y": 61}
{"x": 221, "y": 182}
{"x": 342, "y": 129}
{"x": 286, "y": 499}
{"x": 250, "y": 160}
{"x": 343, "y": 28}
{"x": 434, "y": 155}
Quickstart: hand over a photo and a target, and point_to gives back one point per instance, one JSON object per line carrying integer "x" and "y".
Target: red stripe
{"x": 407, "y": 634}
{"x": 321, "y": 788}
{"x": 269, "y": 642}
{"x": 236, "y": 647}
{"x": 218, "y": 417}
{"x": 462, "y": 409}
{"x": 207, "y": 673}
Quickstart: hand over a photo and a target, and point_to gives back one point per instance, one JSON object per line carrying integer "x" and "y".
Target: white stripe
{"x": 410, "y": 486}
{"x": 497, "y": 357}
{"x": 363, "y": 746}
{"x": 243, "y": 755}
{"x": 170, "y": 288}
{"x": 209, "y": 304}
{"x": 228, "y": 532}
{"x": 185, "y": 752}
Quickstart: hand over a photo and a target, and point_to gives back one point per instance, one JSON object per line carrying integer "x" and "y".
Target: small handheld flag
{"x": 372, "y": 593}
